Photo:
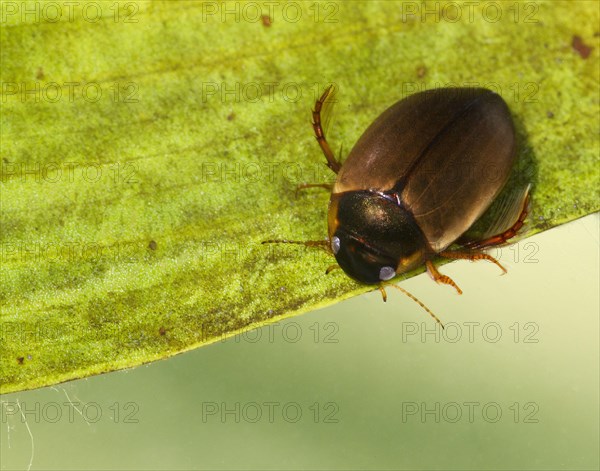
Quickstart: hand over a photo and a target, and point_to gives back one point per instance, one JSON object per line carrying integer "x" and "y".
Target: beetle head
{"x": 372, "y": 236}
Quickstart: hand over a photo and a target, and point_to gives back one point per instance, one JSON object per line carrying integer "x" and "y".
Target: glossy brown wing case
{"x": 446, "y": 153}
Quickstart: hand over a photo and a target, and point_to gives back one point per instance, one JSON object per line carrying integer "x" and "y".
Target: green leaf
{"x": 148, "y": 151}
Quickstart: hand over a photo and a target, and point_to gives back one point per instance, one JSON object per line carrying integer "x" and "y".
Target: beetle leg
{"x": 302, "y": 186}
{"x": 503, "y": 237}
{"x": 322, "y": 244}
{"x": 332, "y": 163}
{"x": 330, "y": 268}
{"x": 472, "y": 256}
{"x": 439, "y": 278}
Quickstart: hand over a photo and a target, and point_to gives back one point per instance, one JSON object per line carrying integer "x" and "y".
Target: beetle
{"x": 416, "y": 181}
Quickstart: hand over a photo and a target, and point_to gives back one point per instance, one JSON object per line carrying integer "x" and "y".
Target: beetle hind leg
{"x": 472, "y": 249}
{"x": 327, "y": 97}
{"x": 504, "y": 236}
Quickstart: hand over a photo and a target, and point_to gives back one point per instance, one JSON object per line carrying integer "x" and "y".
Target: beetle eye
{"x": 386, "y": 273}
{"x": 361, "y": 261}
{"x": 335, "y": 245}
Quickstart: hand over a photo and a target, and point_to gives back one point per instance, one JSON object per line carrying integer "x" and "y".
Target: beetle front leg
{"x": 439, "y": 278}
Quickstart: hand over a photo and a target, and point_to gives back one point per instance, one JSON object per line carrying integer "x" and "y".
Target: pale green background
{"x": 369, "y": 373}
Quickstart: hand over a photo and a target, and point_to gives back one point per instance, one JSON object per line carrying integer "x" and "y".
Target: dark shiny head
{"x": 373, "y": 237}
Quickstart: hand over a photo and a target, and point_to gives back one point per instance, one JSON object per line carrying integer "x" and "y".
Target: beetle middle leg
{"x": 319, "y": 244}
{"x": 303, "y": 186}
{"x": 471, "y": 255}
{"x": 332, "y": 162}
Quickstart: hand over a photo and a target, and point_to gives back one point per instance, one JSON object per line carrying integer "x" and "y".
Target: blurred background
{"x": 511, "y": 383}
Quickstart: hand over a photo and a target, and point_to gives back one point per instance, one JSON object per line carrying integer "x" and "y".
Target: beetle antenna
{"x": 415, "y": 299}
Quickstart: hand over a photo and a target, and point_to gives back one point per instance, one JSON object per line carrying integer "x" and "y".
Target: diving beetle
{"x": 416, "y": 181}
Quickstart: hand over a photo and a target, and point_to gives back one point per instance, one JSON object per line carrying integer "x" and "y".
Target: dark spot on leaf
{"x": 550, "y": 114}
{"x": 230, "y": 117}
{"x": 162, "y": 331}
{"x": 152, "y": 245}
{"x": 421, "y": 71}
{"x": 582, "y": 49}
{"x": 40, "y": 74}
{"x": 266, "y": 20}
{"x": 20, "y": 360}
